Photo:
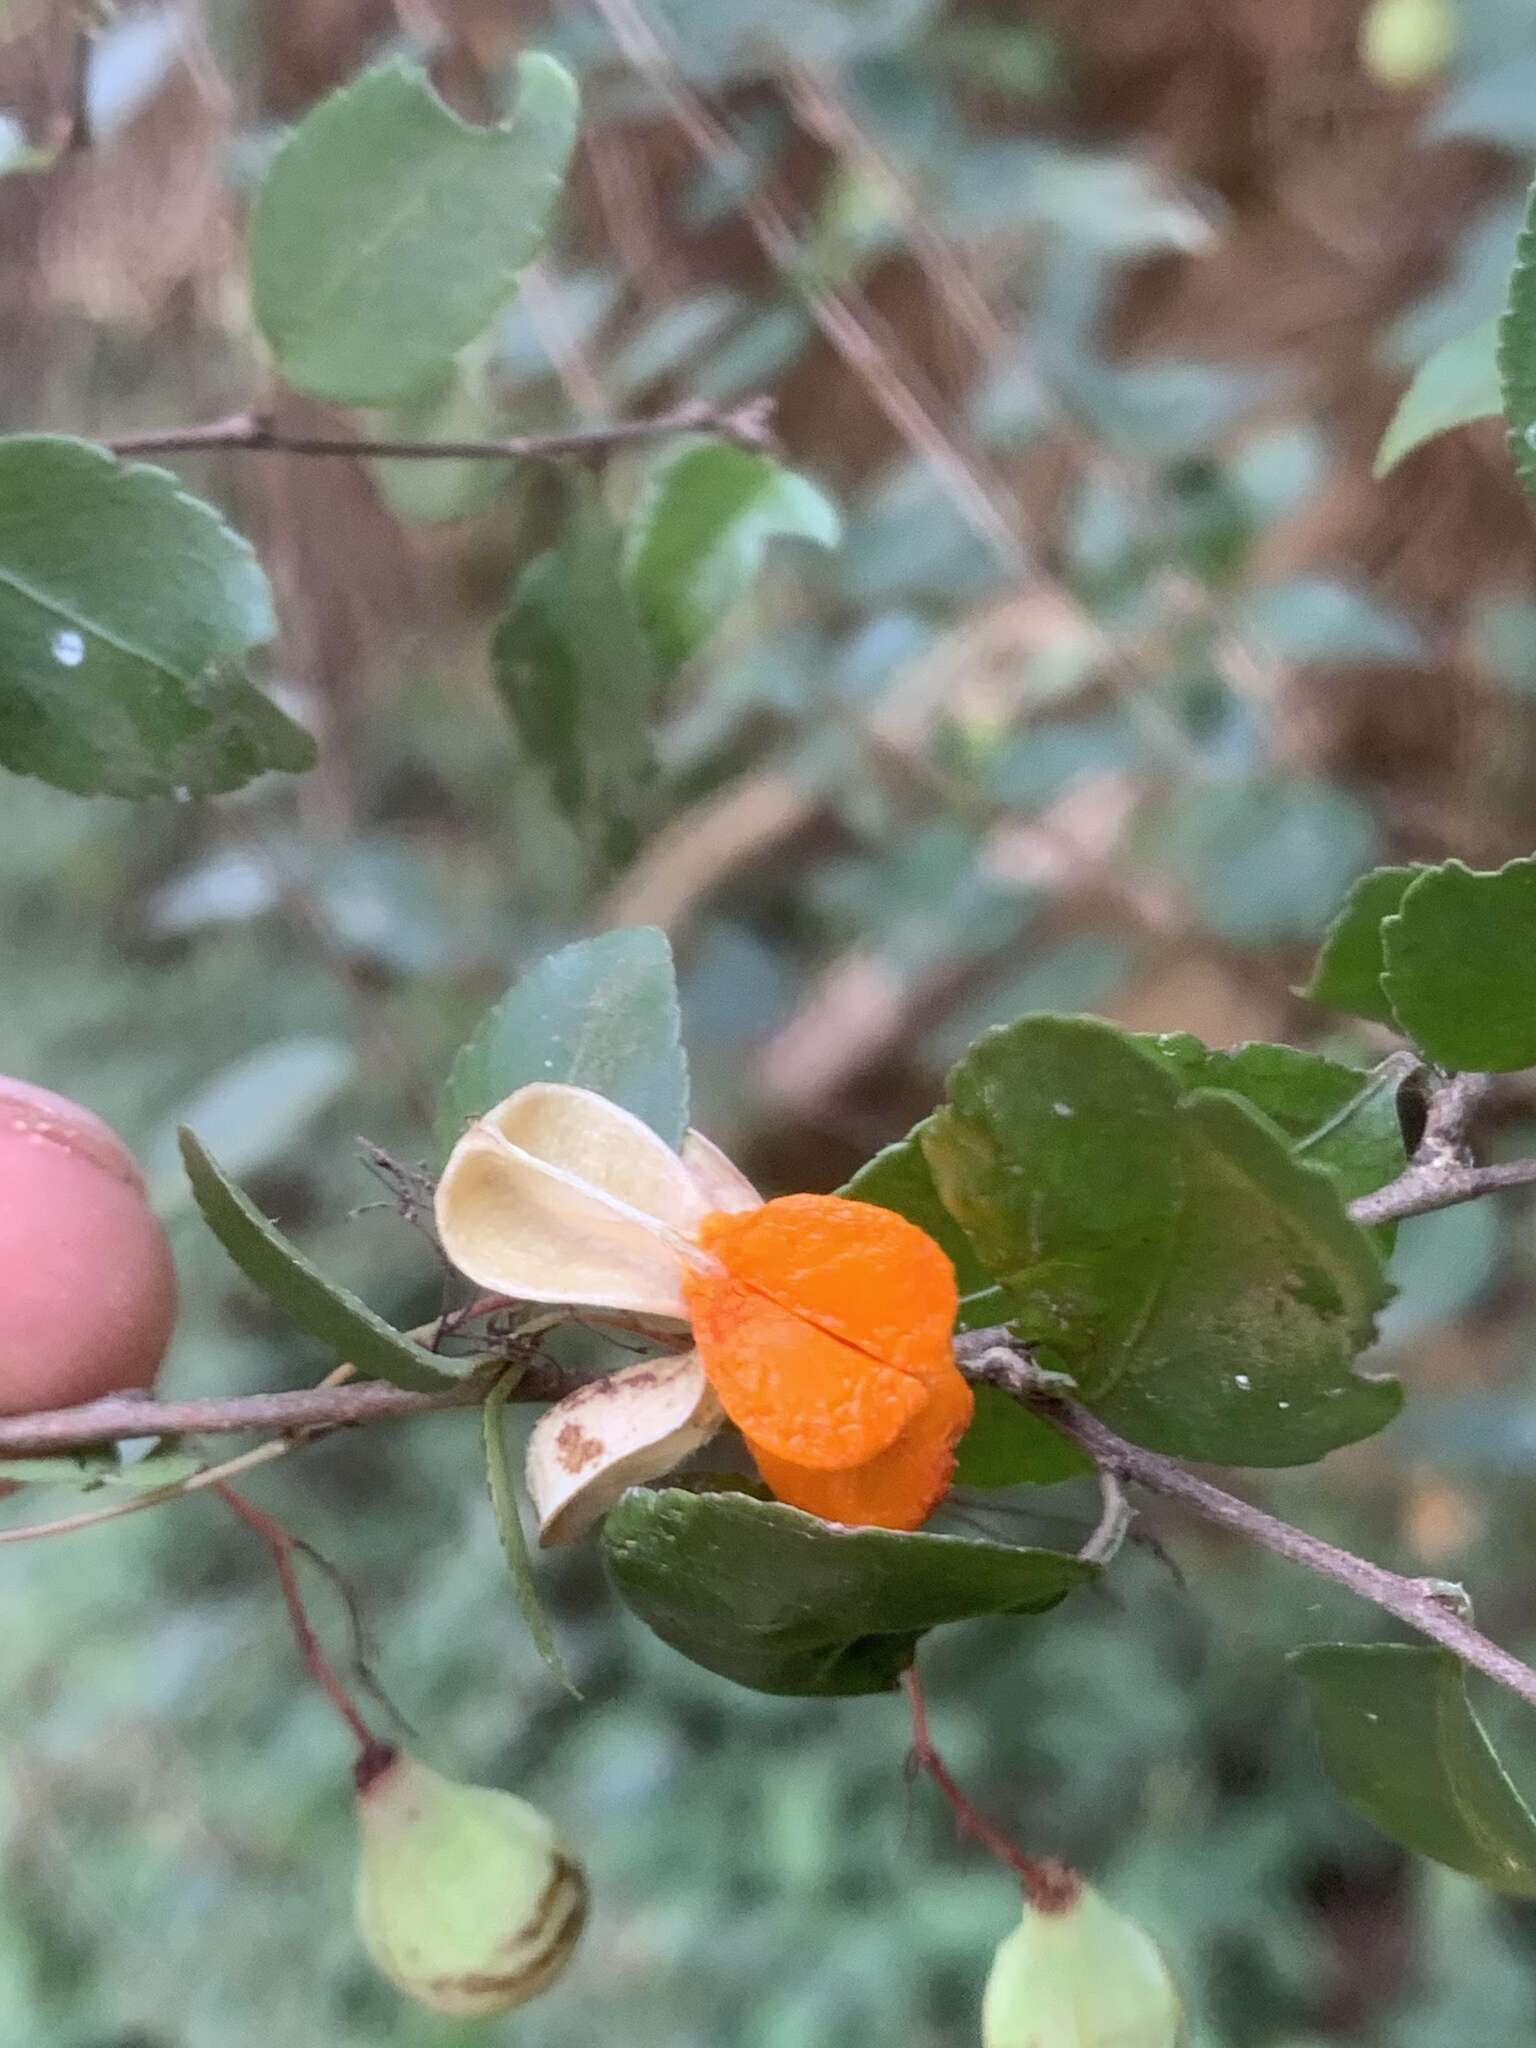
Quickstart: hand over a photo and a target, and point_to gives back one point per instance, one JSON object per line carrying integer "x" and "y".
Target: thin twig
{"x": 1050, "y": 1886}
{"x": 1424, "y": 1604}
{"x": 319, "y": 1666}
{"x": 1442, "y": 1172}
{"x": 1102, "y": 1545}
{"x": 299, "y": 1408}
{"x": 749, "y": 425}
{"x": 1442, "y": 1186}
{"x": 161, "y": 1496}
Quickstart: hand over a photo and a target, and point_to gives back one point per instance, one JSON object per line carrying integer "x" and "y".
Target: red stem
{"x": 1049, "y": 1885}
{"x": 319, "y": 1666}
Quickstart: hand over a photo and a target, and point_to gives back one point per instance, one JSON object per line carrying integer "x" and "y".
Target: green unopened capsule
{"x": 1081, "y": 1977}
{"x": 466, "y": 1900}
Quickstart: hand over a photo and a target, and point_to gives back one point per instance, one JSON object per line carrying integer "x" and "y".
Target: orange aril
{"x": 825, "y": 1327}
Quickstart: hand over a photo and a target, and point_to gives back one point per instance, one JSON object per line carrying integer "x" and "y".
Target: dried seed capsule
{"x": 466, "y": 1900}
{"x": 1084, "y": 1977}
{"x": 634, "y": 1425}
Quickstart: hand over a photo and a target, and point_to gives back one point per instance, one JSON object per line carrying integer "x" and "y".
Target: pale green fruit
{"x": 1083, "y": 1978}
{"x": 1406, "y": 42}
{"x": 465, "y": 1898}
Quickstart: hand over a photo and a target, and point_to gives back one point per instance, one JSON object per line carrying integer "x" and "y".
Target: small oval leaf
{"x": 601, "y": 1014}
{"x": 1350, "y": 963}
{"x": 784, "y": 1603}
{"x": 388, "y": 232}
{"x": 1461, "y": 965}
{"x": 697, "y": 537}
{"x": 285, "y": 1276}
{"x": 1401, "y": 1743}
{"x": 127, "y": 608}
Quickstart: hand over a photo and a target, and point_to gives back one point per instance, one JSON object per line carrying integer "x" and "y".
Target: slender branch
{"x": 1427, "y": 1605}
{"x": 749, "y": 425}
{"x": 1440, "y": 1185}
{"x": 128, "y": 1415}
{"x": 1049, "y": 1885}
{"x": 1442, "y": 1172}
{"x": 316, "y": 1662}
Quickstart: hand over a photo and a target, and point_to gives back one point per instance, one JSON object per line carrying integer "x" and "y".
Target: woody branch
{"x": 1441, "y": 1174}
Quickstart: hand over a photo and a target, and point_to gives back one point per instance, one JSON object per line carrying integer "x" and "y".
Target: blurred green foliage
{"x": 294, "y": 968}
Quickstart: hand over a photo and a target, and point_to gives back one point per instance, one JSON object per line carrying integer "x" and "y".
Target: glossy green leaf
{"x": 785, "y": 1603}
{"x": 1457, "y": 384}
{"x": 127, "y": 608}
{"x": 1461, "y": 965}
{"x": 1400, "y": 1741}
{"x": 388, "y": 232}
{"x": 502, "y": 1487}
{"x": 572, "y": 666}
{"x": 601, "y": 1014}
{"x": 1007, "y": 1444}
{"x": 900, "y": 1178}
{"x": 1347, "y": 974}
{"x": 698, "y": 533}
{"x": 1517, "y": 351}
{"x": 1333, "y": 1116}
{"x": 266, "y": 1258}
{"x": 1206, "y": 1288}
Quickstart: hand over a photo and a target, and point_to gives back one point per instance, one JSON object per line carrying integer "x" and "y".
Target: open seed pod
{"x": 1084, "y": 1977}
{"x": 633, "y": 1426}
{"x": 466, "y": 1900}
{"x": 559, "y": 1195}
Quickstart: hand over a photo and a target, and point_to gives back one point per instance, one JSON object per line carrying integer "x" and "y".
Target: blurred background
{"x": 1091, "y": 319}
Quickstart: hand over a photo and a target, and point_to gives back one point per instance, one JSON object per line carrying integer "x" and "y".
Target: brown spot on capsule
{"x": 575, "y": 1449}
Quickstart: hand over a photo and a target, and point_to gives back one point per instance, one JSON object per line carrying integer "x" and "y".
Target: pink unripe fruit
{"x": 87, "y": 1288}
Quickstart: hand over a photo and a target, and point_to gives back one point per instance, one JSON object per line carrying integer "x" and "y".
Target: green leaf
{"x": 509, "y": 1524}
{"x": 1517, "y": 351}
{"x": 1007, "y": 1444}
{"x": 1401, "y": 1743}
{"x": 1333, "y": 1116}
{"x": 388, "y": 233}
{"x": 1347, "y": 974}
{"x": 900, "y": 1178}
{"x": 97, "y": 1465}
{"x": 1461, "y": 965}
{"x": 601, "y": 1014}
{"x": 1206, "y": 1288}
{"x": 1459, "y": 383}
{"x": 266, "y": 1258}
{"x": 573, "y": 669}
{"x": 126, "y": 609}
{"x": 785, "y": 1603}
{"x": 698, "y": 533}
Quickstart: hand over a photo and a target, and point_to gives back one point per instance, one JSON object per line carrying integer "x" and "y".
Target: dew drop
{"x": 1241, "y": 1379}
{"x": 1063, "y": 1108}
{"x": 1282, "y": 1404}
{"x": 68, "y": 649}
{"x": 182, "y": 795}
